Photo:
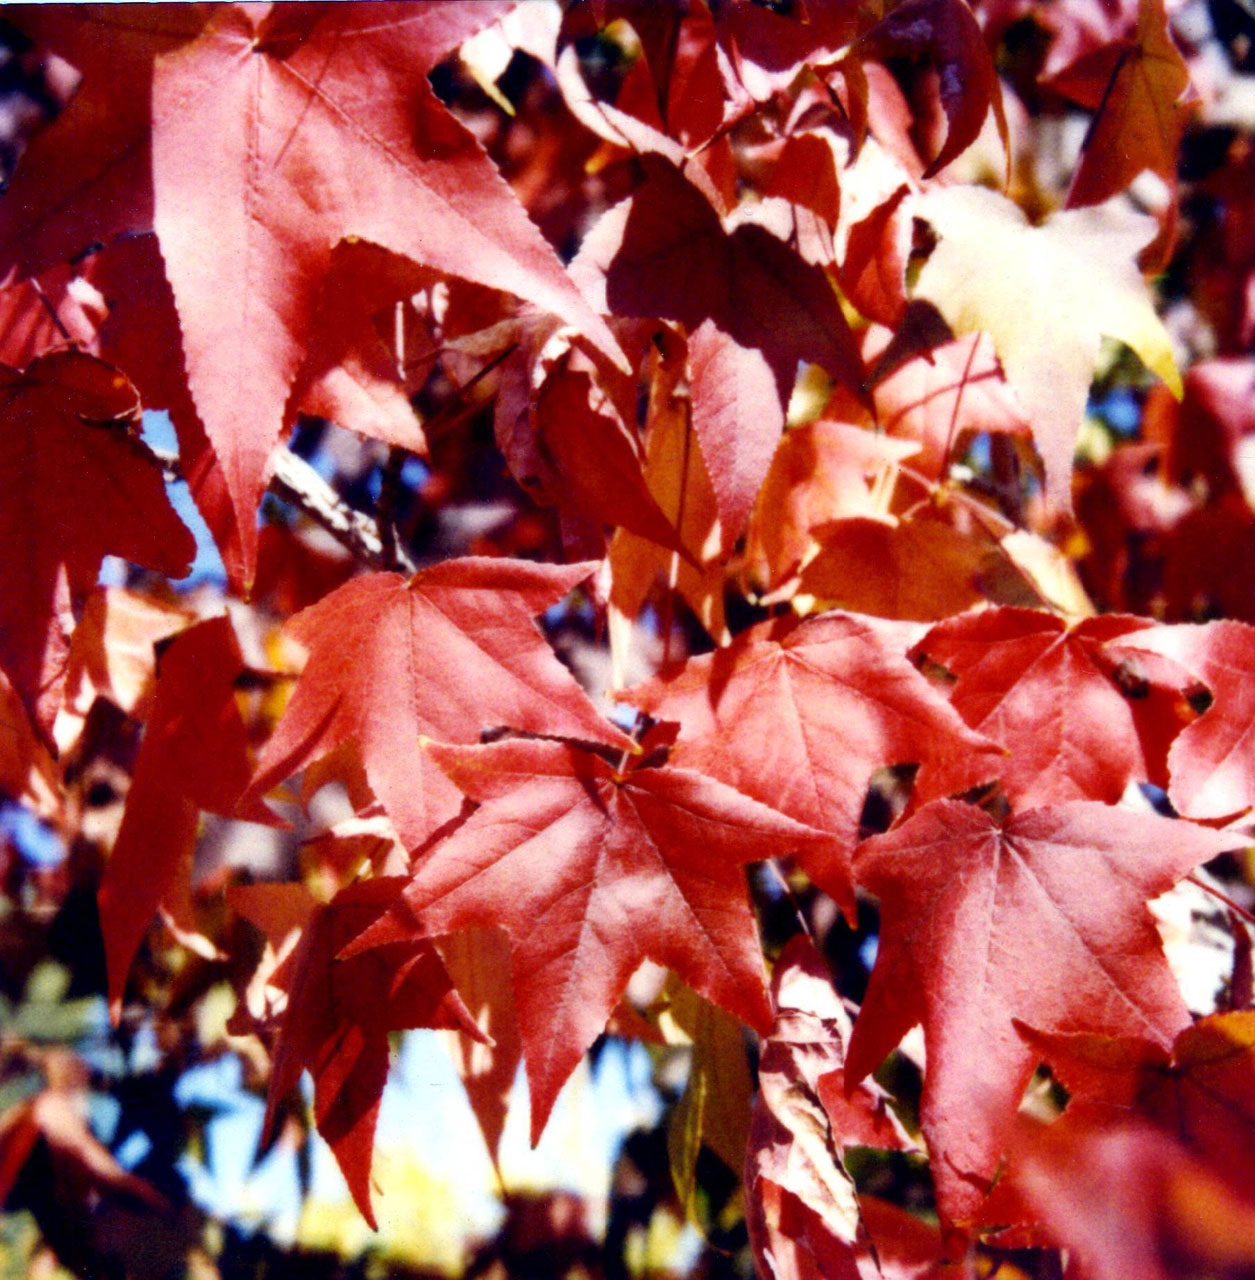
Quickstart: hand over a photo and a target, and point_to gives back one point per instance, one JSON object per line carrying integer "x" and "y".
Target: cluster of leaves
{"x": 751, "y": 345}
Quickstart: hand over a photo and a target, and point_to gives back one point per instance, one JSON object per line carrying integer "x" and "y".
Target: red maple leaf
{"x": 907, "y": 1247}
{"x": 1202, "y": 1092}
{"x": 591, "y": 870}
{"x": 1204, "y": 437}
{"x": 87, "y": 176}
{"x": 194, "y": 756}
{"x": 946, "y": 33}
{"x": 823, "y": 471}
{"x": 478, "y": 960}
{"x": 348, "y": 377}
{"x": 1042, "y": 919}
{"x": 1212, "y": 761}
{"x": 252, "y": 142}
{"x": 800, "y": 716}
{"x": 752, "y": 307}
{"x": 113, "y": 653}
{"x": 446, "y": 654}
{"x": 1136, "y": 85}
{"x": 939, "y": 396}
{"x": 339, "y": 1011}
{"x": 27, "y": 770}
{"x": 36, "y": 315}
{"x": 1126, "y": 1200}
{"x": 872, "y": 271}
{"x": 140, "y": 333}
{"x": 567, "y": 444}
{"x": 78, "y": 485}
{"x": 83, "y": 1167}
{"x": 1044, "y": 688}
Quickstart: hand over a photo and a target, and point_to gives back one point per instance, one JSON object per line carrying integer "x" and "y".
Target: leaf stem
{"x": 457, "y": 410}
{"x": 621, "y": 767}
{"x": 958, "y": 401}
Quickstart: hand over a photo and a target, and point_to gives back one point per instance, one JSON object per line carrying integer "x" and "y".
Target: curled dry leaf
{"x": 803, "y": 1213}
{"x": 567, "y": 444}
{"x": 676, "y": 474}
{"x": 752, "y": 308}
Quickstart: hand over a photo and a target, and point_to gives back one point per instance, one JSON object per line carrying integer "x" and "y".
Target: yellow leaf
{"x": 1047, "y": 295}
{"x": 715, "y": 1109}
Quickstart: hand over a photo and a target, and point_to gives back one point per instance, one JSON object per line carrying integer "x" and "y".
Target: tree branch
{"x": 295, "y": 481}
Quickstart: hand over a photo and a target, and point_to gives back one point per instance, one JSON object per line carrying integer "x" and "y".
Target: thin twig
{"x": 1235, "y": 907}
{"x": 51, "y": 310}
{"x": 673, "y": 568}
{"x": 363, "y": 536}
{"x": 387, "y": 503}
{"x": 627, "y": 751}
{"x": 773, "y": 866}
{"x": 390, "y": 477}
{"x": 295, "y": 481}
{"x": 458, "y": 409}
